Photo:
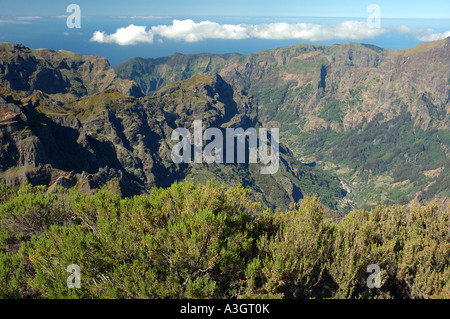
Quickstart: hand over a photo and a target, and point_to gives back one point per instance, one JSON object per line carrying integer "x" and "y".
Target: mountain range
{"x": 378, "y": 119}
{"x": 68, "y": 120}
{"x": 359, "y": 125}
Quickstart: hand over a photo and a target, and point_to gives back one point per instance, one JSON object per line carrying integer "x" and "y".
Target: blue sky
{"x": 431, "y": 9}
{"x": 120, "y": 30}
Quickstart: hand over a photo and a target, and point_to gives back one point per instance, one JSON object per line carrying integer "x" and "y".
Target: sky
{"x": 431, "y": 9}
{"x": 120, "y": 30}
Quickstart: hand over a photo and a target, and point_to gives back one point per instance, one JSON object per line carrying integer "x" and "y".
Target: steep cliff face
{"x": 114, "y": 140}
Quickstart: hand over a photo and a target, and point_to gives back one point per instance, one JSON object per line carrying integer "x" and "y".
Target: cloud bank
{"x": 190, "y": 31}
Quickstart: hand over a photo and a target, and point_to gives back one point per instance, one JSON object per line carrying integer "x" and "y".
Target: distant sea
{"x": 53, "y": 33}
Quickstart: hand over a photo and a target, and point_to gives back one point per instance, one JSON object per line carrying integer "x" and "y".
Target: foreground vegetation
{"x": 206, "y": 241}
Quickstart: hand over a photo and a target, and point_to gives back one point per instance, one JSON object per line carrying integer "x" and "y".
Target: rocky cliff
{"x": 377, "y": 118}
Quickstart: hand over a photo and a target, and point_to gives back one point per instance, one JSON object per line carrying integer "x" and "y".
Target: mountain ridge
{"x": 59, "y": 72}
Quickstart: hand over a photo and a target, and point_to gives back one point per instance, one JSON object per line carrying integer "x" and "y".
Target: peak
{"x": 14, "y": 47}
{"x": 197, "y": 80}
{"x": 353, "y": 45}
{"x": 188, "y": 84}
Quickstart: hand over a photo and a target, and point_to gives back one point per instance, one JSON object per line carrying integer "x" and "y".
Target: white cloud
{"x": 12, "y": 21}
{"x": 190, "y": 31}
{"x": 125, "y": 36}
{"x": 351, "y": 30}
{"x": 146, "y": 17}
{"x": 19, "y": 20}
{"x": 423, "y": 34}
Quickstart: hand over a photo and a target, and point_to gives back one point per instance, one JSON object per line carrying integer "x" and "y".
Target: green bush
{"x": 206, "y": 241}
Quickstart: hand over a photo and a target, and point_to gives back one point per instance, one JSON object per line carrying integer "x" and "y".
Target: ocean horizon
{"x": 53, "y": 33}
